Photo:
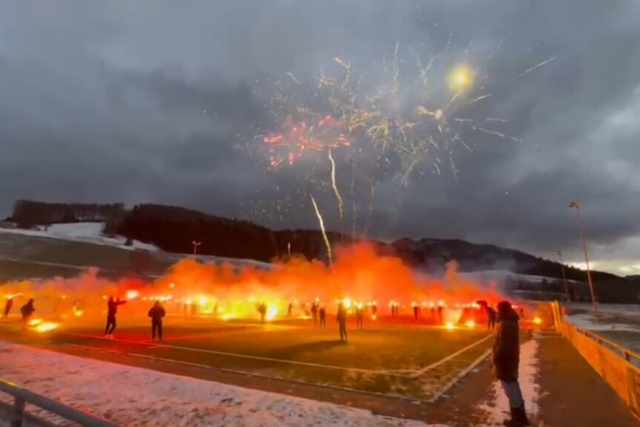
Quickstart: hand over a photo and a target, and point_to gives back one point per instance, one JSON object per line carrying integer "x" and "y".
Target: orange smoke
{"x": 358, "y": 274}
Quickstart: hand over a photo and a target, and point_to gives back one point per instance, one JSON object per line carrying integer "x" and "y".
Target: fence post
{"x": 18, "y": 412}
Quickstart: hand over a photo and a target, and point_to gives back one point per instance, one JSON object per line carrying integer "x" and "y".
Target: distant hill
{"x": 173, "y": 229}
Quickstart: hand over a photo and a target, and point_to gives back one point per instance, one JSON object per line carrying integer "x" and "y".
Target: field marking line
{"x": 412, "y": 399}
{"x": 269, "y": 359}
{"x": 449, "y": 357}
{"x": 393, "y": 373}
{"x": 458, "y": 377}
{"x": 221, "y": 353}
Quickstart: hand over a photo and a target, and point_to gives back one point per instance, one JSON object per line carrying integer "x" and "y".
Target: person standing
{"x": 156, "y": 313}
{"x": 341, "y": 319}
{"x": 505, "y": 359}
{"x": 323, "y": 316}
{"x": 7, "y": 307}
{"x": 314, "y": 313}
{"x": 112, "y": 310}
{"x": 359, "y": 317}
{"x": 27, "y": 311}
{"x": 262, "y": 309}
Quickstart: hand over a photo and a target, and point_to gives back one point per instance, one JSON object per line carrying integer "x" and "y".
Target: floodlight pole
{"x": 564, "y": 277}
{"x": 195, "y": 247}
{"x": 576, "y": 206}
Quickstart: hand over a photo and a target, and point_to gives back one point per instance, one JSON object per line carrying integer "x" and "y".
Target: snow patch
{"x": 131, "y": 396}
{"x": 498, "y": 409}
{"x": 587, "y": 322}
{"x": 88, "y": 232}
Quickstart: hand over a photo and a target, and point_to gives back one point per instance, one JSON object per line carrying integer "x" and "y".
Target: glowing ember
{"x": 374, "y": 317}
{"x": 471, "y": 324}
{"x": 131, "y": 294}
{"x": 347, "y": 302}
{"x": 449, "y": 326}
{"x": 537, "y": 321}
{"x": 34, "y": 322}
{"x": 46, "y": 327}
{"x": 272, "y": 312}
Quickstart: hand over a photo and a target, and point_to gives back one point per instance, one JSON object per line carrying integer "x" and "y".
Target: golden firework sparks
{"x": 335, "y": 185}
{"x": 322, "y": 229}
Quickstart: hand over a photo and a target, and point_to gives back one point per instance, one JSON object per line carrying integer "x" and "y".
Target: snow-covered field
{"x": 91, "y": 232}
{"x": 497, "y": 408}
{"x": 131, "y": 396}
{"x": 88, "y": 232}
{"x": 586, "y": 321}
{"x": 500, "y": 277}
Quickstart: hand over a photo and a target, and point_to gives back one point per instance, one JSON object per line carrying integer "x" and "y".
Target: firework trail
{"x": 335, "y": 185}
{"x": 543, "y": 63}
{"x": 322, "y": 229}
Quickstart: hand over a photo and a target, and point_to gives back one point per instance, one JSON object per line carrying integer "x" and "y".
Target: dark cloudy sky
{"x": 157, "y": 101}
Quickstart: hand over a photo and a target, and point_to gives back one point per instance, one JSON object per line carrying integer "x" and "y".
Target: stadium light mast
{"x": 195, "y": 247}
{"x": 564, "y": 277}
{"x": 576, "y": 206}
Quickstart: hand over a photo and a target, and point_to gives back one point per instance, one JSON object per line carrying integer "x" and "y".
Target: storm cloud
{"x": 160, "y": 101}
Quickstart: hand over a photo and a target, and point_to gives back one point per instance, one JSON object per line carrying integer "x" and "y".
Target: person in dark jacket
{"x": 262, "y": 309}
{"x": 323, "y": 316}
{"x": 359, "y": 317}
{"x": 506, "y": 358}
{"x": 341, "y": 319}
{"x": 7, "y": 308}
{"x": 156, "y": 313}
{"x": 27, "y": 311}
{"x": 492, "y": 316}
{"x": 112, "y": 310}
{"x": 314, "y": 313}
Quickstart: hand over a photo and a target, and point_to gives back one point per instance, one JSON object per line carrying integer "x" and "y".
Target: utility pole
{"x": 195, "y": 247}
{"x": 576, "y": 206}
{"x": 564, "y": 278}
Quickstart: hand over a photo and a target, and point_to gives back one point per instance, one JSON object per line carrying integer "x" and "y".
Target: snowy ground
{"x": 604, "y": 323}
{"x": 132, "y": 396}
{"x": 88, "y": 232}
{"x": 497, "y": 408}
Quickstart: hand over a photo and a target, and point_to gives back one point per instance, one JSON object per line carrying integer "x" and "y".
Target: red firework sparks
{"x": 300, "y": 138}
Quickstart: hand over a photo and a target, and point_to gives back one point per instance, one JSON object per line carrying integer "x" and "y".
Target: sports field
{"x": 413, "y": 361}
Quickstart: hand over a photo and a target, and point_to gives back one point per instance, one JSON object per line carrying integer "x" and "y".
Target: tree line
{"x": 174, "y": 229}
{"x": 28, "y": 213}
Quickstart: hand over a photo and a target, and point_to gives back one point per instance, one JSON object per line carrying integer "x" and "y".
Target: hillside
{"x": 173, "y": 229}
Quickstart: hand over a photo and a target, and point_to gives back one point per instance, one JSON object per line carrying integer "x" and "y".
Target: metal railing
{"x": 628, "y": 355}
{"x": 23, "y": 396}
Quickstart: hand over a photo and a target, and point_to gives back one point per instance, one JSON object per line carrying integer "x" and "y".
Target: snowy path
{"x": 133, "y": 396}
{"x": 497, "y": 409}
